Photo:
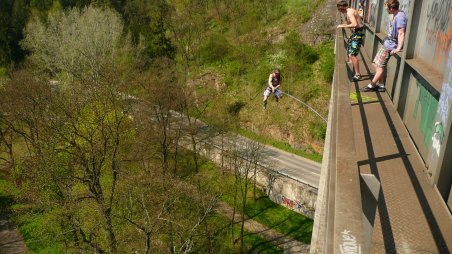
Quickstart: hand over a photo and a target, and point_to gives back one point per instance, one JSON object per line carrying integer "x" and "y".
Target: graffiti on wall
{"x": 438, "y": 31}
{"x": 389, "y": 23}
{"x": 428, "y": 106}
{"x": 405, "y": 6}
{"x": 438, "y": 14}
{"x": 297, "y": 206}
{"x": 438, "y": 137}
{"x": 446, "y": 94}
{"x": 349, "y": 243}
{"x": 367, "y": 11}
{"x": 444, "y": 101}
{"x": 444, "y": 104}
{"x": 388, "y": 18}
{"x": 372, "y": 11}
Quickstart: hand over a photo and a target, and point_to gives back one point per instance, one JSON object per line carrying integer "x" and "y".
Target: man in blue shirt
{"x": 392, "y": 44}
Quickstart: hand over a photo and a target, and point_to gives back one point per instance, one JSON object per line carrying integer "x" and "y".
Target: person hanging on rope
{"x": 274, "y": 82}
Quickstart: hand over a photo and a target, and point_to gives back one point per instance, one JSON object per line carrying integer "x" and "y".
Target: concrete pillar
{"x": 439, "y": 165}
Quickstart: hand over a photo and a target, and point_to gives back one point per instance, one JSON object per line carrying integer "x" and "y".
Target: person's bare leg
{"x": 381, "y": 81}
{"x": 375, "y": 69}
{"x": 355, "y": 63}
{"x": 378, "y": 75}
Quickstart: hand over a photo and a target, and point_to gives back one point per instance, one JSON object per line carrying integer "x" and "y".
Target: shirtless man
{"x": 274, "y": 82}
{"x": 355, "y": 23}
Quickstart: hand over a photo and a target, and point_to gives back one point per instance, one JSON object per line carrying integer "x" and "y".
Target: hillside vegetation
{"x": 92, "y": 157}
{"x": 234, "y": 62}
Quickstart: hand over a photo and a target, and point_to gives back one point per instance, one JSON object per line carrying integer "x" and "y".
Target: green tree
{"x": 147, "y": 24}
{"x": 13, "y": 17}
{"x": 75, "y": 3}
{"x": 188, "y": 23}
{"x": 41, "y": 7}
{"x": 19, "y": 18}
{"x": 78, "y": 138}
{"x": 5, "y": 33}
{"x": 83, "y": 45}
{"x": 86, "y": 125}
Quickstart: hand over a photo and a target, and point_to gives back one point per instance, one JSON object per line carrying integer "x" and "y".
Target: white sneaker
{"x": 381, "y": 88}
{"x": 368, "y": 88}
{"x": 356, "y": 77}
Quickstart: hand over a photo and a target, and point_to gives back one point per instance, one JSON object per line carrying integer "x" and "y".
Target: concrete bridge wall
{"x": 281, "y": 189}
{"x": 419, "y": 79}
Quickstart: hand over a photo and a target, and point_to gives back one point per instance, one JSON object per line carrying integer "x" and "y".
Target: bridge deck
{"x": 410, "y": 216}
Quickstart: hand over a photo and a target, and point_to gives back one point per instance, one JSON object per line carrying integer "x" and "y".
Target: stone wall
{"x": 281, "y": 189}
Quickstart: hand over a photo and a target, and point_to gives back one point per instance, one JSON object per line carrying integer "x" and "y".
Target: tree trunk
{"x": 195, "y": 153}
{"x": 235, "y": 201}
{"x": 254, "y": 183}
{"x": 222, "y": 152}
{"x": 148, "y": 242}
{"x": 110, "y": 231}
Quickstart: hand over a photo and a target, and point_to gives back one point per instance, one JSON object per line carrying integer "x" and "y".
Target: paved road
{"x": 290, "y": 165}
{"x": 294, "y": 166}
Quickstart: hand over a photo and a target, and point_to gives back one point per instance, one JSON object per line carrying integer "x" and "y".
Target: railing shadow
{"x": 388, "y": 236}
{"x": 432, "y": 223}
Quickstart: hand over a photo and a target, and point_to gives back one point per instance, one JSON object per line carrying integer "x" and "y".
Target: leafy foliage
{"x": 327, "y": 61}
{"x": 214, "y": 48}
{"x": 146, "y": 22}
{"x": 261, "y": 209}
{"x": 235, "y": 108}
{"x": 71, "y": 42}
{"x": 317, "y": 130}
{"x": 305, "y": 73}
{"x": 13, "y": 16}
{"x": 98, "y": 157}
{"x": 2, "y": 72}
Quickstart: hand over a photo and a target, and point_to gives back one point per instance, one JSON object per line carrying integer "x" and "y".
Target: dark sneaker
{"x": 265, "y": 105}
{"x": 368, "y": 88}
{"x": 356, "y": 77}
{"x": 381, "y": 88}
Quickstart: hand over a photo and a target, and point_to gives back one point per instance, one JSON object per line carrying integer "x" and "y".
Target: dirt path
{"x": 321, "y": 27}
{"x": 287, "y": 243}
{"x": 11, "y": 241}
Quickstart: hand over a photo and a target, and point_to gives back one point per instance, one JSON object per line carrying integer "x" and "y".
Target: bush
{"x": 235, "y": 108}
{"x": 300, "y": 56}
{"x": 317, "y": 130}
{"x": 2, "y": 72}
{"x": 215, "y": 47}
{"x": 232, "y": 71}
{"x": 327, "y": 62}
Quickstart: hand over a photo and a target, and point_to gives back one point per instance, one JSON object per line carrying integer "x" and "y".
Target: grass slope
{"x": 234, "y": 65}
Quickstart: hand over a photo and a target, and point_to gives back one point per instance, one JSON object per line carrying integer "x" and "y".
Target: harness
{"x": 275, "y": 80}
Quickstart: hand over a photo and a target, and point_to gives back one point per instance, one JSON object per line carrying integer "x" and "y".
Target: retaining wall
{"x": 281, "y": 189}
